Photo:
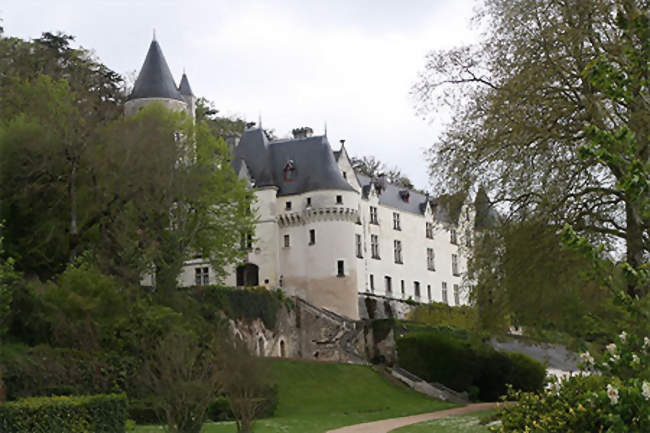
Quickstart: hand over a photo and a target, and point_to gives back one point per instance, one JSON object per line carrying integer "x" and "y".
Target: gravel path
{"x": 387, "y": 425}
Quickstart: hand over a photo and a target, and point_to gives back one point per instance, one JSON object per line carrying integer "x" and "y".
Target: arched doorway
{"x": 283, "y": 350}
{"x": 248, "y": 274}
{"x": 260, "y": 347}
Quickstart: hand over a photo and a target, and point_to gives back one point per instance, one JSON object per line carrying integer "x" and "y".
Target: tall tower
{"x": 155, "y": 83}
{"x": 186, "y": 92}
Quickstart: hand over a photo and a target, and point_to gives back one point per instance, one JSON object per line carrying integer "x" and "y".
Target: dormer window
{"x": 405, "y": 195}
{"x": 308, "y": 201}
{"x": 345, "y": 175}
{"x": 339, "y": 199}
{"x": 289, "y": 171}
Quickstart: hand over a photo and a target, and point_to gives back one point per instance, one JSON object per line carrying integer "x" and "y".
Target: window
{"x": 359, "y": 246}
{"x": 416, "y": 289}
{"x": 308, "y": 201}
{"x": 389, "y": 285}
{"x": 396, "y": 224}
{"x": 397, "y": 249}
{"x": 444, "y": 293}
{"x": 287, "y": 205}
{"x": 202, "y": 276}
{"x": 246, "y": 241}
{"x": 339, "y": 199}
{"x": 429, "y": 292}
{"x": 372, "y": 283}
{"x": 345, "y": 175}
{"x": 429, "y": 230}
{"x": 454, "y": 265}
{"x": 402, "y": 289}
{"x": 287, "y": 241}
{"x": 452, "y": 237}
{"x": 374, "y": 246}
{"x": 373, "y": 215}
{"x": 340, "y": 268}
{"x": 312, "y": 237}
{"x": 456, "y": 294}
{"x": 431, "y": 265}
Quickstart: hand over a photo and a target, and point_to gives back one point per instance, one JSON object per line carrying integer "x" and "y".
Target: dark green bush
{"x": 143, "y": 411}
{"x": 468, "y": 366}
{"x": 62, "y": 414}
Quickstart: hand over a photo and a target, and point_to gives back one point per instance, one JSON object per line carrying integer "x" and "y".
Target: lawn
{"x": 455, "y": 424}
{"x": 315, "y": 397}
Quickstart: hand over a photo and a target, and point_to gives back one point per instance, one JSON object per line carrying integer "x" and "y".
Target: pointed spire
{"x": 325, "y": 129}
{"x": 184, "y": 88}
{"x": 155, "y": 79}
{"x": 259, "y": 119}
{"x": 154, "y": 33}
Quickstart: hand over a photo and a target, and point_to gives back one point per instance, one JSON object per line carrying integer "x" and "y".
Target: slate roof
{"x": 445, "y": 208}
{"x": 313, "y": 160}
{"x": 184, "y": 87}
{"x": 155, "y": 79}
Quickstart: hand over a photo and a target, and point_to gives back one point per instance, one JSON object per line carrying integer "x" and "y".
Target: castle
{"x": 324, "y": 232}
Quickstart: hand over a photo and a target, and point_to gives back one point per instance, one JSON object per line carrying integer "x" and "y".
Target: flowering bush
{"x": 611, "y": 394}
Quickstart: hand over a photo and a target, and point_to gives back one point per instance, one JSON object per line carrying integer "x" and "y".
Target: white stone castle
{"x": 325, "y": 232}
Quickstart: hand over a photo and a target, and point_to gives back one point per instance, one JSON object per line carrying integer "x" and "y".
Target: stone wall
{"x": 380, "y": 307}
{"x": 306, "y": 331}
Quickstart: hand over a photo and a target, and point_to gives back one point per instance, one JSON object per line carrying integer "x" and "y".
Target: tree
{"x": 169, "y": 193}
{"x": 244, "y": 380}
{"x": 371, "y": 167}
{"x": 521, "y": 102}
{"x": 183, "y": 376}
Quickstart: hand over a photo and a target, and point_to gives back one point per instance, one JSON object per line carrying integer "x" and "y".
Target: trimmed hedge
{"x": 63, "y": 414}
{"x": 476, "y": 368}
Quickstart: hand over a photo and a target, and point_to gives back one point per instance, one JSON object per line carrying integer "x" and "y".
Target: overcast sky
{"x": 297, "y": 63}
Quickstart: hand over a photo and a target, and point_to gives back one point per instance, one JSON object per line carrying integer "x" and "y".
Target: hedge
{"x": 463, "y": 366}
{"x": 104, "y": 413}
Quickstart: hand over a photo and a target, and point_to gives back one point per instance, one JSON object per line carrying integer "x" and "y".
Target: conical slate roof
{"x": 155, "y": 79}
{"x": 184, "y": 88}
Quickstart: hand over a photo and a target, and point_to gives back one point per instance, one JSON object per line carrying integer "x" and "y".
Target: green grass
{"x": 455, "y": 424}
{"x": 315, "y": 397}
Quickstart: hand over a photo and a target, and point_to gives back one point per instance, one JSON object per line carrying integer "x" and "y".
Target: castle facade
{"x": 325, "y": 232}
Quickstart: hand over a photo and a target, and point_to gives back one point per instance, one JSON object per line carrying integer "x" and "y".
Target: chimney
{"x": 302, "y": 132}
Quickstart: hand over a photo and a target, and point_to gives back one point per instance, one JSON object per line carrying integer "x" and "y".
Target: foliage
{"x": 614, "y": 398}
{"x": 239, "y": 304}
{"x": 439, "y": 313}
{"x": 520, "y": 101}
{"x": 373, "y": 168}
{"x": 8, "y": 280}
{"x": 463, "y": 366}
{"x": 183, "y": 378}
{"x": 97, "y": 413}
{"x": 244, "y": 381}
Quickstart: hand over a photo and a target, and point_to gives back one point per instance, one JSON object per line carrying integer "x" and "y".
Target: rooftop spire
{"x": 184, "y": 88}
{"x": 155, "y": 79}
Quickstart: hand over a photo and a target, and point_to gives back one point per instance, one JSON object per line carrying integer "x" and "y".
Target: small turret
{"x": 155, "y": 83}
{"x": 186, "y": 92}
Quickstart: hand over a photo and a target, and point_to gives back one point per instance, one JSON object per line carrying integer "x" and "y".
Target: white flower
{"x": 612, "y": 393}
{"x": 645, "y": 390}
{"x": 623, "y": 336}
{"x": 611, "y": 348}
{"x": 587, "y": 358}
{"x": 635, "y": 359}
{"x": 646, "y": 342}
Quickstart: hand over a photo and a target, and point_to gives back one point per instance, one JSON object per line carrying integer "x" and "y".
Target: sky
{"x": 347, "y": 64}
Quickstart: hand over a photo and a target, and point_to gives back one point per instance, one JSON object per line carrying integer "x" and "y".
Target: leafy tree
{"x": 244, "y": 380}
{"x": 372, "y": 167}
{"x": 8, "y": 279}
{"x": 521, "y": 100}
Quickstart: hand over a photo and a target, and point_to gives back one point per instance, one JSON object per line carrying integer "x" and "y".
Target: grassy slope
{"x": 315, "y": 397}
{"x": 460, "y": 423}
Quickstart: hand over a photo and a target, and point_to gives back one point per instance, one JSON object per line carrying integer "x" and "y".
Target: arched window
{"x": 283, "y": 352}
{"x": 260, "y": 347}
{"x": 248, "y": 275}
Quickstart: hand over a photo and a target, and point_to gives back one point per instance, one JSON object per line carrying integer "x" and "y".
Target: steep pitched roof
{"x": 184, "y": 87}
{"x": 155, "y": 79}
{"x": 311, "y": 159}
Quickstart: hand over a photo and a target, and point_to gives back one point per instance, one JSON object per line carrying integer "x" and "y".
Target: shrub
{"x": 439, "y": 313}
{"x": 465, "y": 366}
{"x": 82, "y": 414}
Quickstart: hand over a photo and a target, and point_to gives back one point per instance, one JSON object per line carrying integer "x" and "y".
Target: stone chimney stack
{"x": 302, "y": 132}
